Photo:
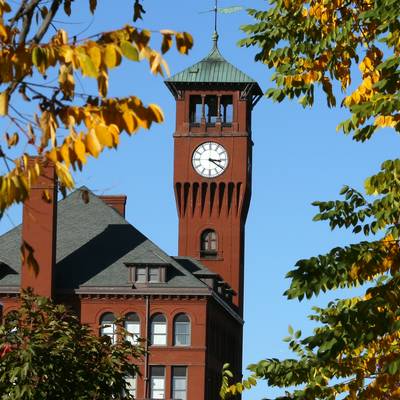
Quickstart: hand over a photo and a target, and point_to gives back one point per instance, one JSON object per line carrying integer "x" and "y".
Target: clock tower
{"x": 212, "y": 164}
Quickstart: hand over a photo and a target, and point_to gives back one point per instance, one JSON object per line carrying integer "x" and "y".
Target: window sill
{"x": 209, "y": 255}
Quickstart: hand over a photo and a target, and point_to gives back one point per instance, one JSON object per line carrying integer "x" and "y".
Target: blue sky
{"x": 298, "y": 158}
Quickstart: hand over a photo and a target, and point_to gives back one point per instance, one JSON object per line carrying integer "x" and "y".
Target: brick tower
{"x": 212, "y": 171}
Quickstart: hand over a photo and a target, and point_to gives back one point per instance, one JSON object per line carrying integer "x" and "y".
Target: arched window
{"x": 132, "y": 326}
{"x": 108, "y": 326}
{"x": 182, "y": 330}
{"x": 208, "y": 243}
{"x": 158, "y": 330}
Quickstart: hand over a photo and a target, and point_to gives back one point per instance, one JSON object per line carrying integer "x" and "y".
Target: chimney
{"x": 39, "y": 232}
{"x": 117, "y": 202}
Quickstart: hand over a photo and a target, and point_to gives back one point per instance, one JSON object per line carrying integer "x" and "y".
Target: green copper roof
{"x": 212, "y": 69}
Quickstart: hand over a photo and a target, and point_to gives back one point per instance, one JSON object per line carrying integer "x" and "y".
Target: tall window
{"x": 108, "y": 326}
{"x": 157, "y": 382}
{"x": 131, "y": 382}
{"x": 227, "y": 110}
{"x": 179, "y": 383}
{"x": 159, "y": 330}
{"x": 195, "y": 109}
{"x": 208, "y": 243}
{"x": 182, "y": 330}
{"x": 132, "y": 325}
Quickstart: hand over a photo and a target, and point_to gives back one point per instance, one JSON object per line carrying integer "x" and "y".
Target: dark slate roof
{"x": 195, "y": 267}
{"x": 212, "y": 69}
{"x": 94, "y": 243}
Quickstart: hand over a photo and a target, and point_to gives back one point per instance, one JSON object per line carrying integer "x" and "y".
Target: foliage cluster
{"x": 62, "y": 131}
{"x": 45, "y": 353}
{"x": 354, "y": 352}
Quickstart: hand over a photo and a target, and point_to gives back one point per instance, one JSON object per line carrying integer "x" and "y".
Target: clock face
{"x": 210, "y": 159}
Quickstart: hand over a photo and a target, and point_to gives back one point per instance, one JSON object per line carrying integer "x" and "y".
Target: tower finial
{"x": 215, "y": 35}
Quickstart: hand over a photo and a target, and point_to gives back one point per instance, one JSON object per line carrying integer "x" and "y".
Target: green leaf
{"x": 129, "y": 51}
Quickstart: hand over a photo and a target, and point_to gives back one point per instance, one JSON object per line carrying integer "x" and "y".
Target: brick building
{"x": 189, "y": 308}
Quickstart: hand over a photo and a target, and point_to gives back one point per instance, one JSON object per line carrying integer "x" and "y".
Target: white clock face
{"x": 210, "y": 159}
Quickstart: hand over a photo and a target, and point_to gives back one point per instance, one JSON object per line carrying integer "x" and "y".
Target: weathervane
{"x": 216, "y": 17}
{"x": 224, "y": 10}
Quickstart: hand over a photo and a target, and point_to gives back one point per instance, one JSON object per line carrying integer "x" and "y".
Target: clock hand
{"x": 215, "y": 162}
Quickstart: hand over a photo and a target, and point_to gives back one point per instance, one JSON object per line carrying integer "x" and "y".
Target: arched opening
{"x": 182, "y": 330}
{"x": 132, "y": 326}
{"x": 158, "y": 330}
{"x": 108, "y": 326}
{"x": 209, "y": 244}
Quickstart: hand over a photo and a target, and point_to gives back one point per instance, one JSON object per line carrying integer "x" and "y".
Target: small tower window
{"x": 227, "y": 110}
{"x": 212, "y": 112}
{"x": 195, "y": 110}
{"x": 208, "y": 243}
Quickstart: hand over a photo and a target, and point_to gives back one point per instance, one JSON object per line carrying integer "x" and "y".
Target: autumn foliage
{"x": 351, "y": 50}
{"x": 91, "y": 122}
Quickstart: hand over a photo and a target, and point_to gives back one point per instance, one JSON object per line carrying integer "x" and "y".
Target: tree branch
{"x": 27, "y": 15}
{"x": 19, "y": 13}
{"x": 47, "y": 21}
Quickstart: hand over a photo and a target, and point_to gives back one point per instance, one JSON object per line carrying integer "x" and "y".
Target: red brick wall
{"x": 193, "y": 357}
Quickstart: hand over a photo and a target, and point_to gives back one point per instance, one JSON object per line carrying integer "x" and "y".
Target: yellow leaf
{"x": 63, "y": 35}
{"x": 368, "y": 63}
{"x": 4, "y": 103}
{"x": 114, "y": 132}
{"x": 157, "y": 113}
{"x": 80, "y": 150}
{"x": 93, "y": 145}
{"x": 155, "y": 64}
{"x": 68, "y": 54}
{"x": 368, "y": 83}
{"x": 184, "y": 42}
{"x": 95, "y": 55}
{"x": 129, "y": 51}
{"x": 64, "y": 175}
{"x": 52, "y": 155}
{"x": 48, "y": 124}
{"x": 3, "y": 32}
{"x": 166, "y": 43}
{"x": 102, "y": 83}
{"x": 39, "y": 59}
{"x": 64, "y": 151}
{"x": 86, "y": 64}
{"x": 130, "y": 121}
{"x": 103, "y": 135}
{"x": 111, "y": 57}
{"x": 356, "y": 97}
